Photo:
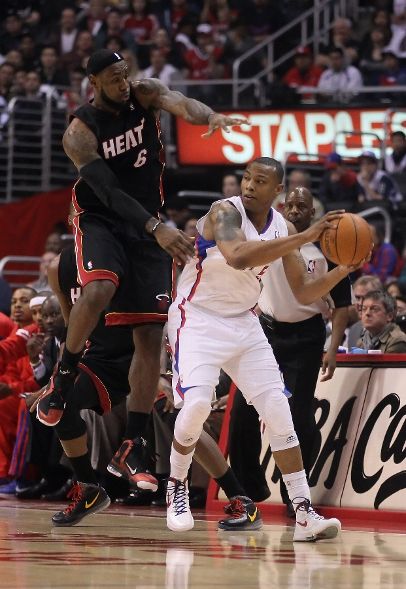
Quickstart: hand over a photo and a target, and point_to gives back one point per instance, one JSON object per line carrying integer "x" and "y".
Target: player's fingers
{"x": 242, "y": 121}
{"x": 209, "y": 132}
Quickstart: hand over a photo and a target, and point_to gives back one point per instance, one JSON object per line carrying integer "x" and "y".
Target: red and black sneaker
{"x": 86, "y": 500}
{"x": 244, "y": 515}
{"x": 52, "y": 401}
{"x": 129, "y": 463}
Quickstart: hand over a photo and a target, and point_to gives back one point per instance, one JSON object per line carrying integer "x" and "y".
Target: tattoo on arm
{"x": 175, "y": 102}
{"x": 227, "y": 223}
{"x": 80, "y": 144}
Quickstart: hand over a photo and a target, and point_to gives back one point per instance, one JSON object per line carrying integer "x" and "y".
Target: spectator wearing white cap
{"x": 376, "y": 184}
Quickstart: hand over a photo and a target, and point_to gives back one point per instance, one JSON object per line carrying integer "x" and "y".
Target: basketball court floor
{"x": 124, "y": 547}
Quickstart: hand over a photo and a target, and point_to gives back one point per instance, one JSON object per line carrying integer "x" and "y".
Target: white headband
{"x": 36, "y": 301}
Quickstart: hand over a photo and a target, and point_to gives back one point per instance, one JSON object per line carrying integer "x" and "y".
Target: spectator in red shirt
{"x": 204, "y": 61}
{"x": 339, "y": 184}
{"x": 6, "y": 326}
{"x": 141, "y": 24}
{"x": 304, "y": 72}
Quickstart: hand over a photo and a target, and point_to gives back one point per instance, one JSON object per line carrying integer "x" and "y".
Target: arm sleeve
{"x": 106, "y": 186}
{"x": 341, "y": 293}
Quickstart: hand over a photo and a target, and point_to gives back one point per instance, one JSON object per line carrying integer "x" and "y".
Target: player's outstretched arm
{"x": 225, "y": 229}
{"x": 80, "y": 145}
{"x": 193, "y": 111}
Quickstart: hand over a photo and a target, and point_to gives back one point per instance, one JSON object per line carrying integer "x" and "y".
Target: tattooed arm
{"x": 225, "y": 228}
{"x": 152, "y": 93}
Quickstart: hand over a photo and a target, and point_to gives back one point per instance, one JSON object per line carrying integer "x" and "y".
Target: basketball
{"x": 348, "y": 242}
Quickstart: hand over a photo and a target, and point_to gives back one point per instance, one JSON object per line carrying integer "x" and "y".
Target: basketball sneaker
{"x": 244, "y": 515}
{"x": 129, "y": 463}
{"x": 310, "y": 526}
{"x": 178, "y": 515}
{"x": 86, "y": 499}
{"x": 51, "y": 403}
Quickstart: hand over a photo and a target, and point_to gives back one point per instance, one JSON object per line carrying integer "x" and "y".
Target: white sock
{"x": 180, "y": 464}
{"x": 297, "y": 485}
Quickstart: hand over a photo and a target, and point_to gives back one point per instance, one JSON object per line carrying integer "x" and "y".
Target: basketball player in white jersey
{"x": 211, "y": 326}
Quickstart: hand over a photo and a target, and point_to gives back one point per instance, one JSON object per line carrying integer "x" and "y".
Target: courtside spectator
{"x": 361, "y": 286}
{"x": 262, "y": 18}
{"x": 376, "y": 184}
{"x": 339, "y": 82}
{"x": 177, "y": 212}
{"x": 114, "y": 28}
{"x": 53, "y": 243}
{"x": 385, "y": 260}
{"x": 82, "y": 49}
{"x": 7, "y": 72}
{"x": 205, "y": 60}
{"x": 14, "y": 29}
{"x": 380, "y": 331}
{"x": 339, "y": 184}
{"x": 190, "y": 227}
{"x": 396, "y": 161}
{"x": 343, "y": 37}
{"x": 29, "y": 52}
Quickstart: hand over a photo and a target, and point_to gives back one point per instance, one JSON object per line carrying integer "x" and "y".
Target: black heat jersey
{"x": 109, "y": 344}
{"x": 129, "y": 143}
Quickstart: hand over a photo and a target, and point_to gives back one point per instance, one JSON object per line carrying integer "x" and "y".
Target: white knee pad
{"x": 273, "y": 408}
{"x": 196, "y": 409}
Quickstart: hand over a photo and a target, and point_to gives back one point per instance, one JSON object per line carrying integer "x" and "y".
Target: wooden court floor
{"x": 123, "y": 547}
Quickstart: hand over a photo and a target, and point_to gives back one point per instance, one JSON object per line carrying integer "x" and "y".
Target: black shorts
{"x": 101, "y": 383}
{"x": 140, "y": 269}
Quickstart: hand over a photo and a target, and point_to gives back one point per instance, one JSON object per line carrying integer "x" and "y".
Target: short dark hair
{"x": 337, "y": 50}
{"x": 26, "y": 287}
{"x": 398, "y": 134}
{"x": 383, "y": 297}
{"x": 270, "y": 162}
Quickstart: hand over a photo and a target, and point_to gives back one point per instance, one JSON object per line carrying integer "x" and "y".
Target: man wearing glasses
{"x": 380, "y": 332}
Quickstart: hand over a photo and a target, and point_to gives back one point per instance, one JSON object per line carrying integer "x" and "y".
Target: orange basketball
{"x": 348, "y": 242}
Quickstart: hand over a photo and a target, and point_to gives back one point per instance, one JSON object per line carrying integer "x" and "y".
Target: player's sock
{"x": 180, "y": 464}
{"x": 136, "y": 425}
{"x": 297, "y": 485}
{"x": 83, "y": 470}
{"x": 230, "y": 485}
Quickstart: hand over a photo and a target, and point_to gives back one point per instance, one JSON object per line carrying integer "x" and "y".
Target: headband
{"x": 36, "y": 301}
{"x": 101, "y": 59}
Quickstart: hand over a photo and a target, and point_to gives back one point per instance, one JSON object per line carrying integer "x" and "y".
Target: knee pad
{"x": 273, "y": 408}
{"x": 71, "y": 425}
{"x": 195, "y": 411}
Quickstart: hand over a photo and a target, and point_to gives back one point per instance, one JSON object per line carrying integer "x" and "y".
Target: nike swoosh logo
{"x": 132, "y": 471}
{"x": 253, "y": 516}
{"x": 89, "y": 505}
{"x": 303, "y": 525}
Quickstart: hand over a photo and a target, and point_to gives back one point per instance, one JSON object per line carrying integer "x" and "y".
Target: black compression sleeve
{"x": 105, "y": 185}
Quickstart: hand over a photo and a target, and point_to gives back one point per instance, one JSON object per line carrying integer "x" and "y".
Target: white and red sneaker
{"x": 310, "y": 526}
{"x": 178, "y": 515}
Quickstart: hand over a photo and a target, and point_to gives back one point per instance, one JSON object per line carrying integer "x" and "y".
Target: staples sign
{"x": 279, "y": 133}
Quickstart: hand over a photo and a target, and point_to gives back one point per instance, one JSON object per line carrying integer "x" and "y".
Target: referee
{"x": 297, "y": 332}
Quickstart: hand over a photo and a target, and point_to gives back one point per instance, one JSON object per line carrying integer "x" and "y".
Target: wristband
{"x": 155, "y": 226}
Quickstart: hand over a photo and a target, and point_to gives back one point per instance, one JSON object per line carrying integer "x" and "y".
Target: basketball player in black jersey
{"x": 123, "y": 251}
{"x": 101, "y": 384}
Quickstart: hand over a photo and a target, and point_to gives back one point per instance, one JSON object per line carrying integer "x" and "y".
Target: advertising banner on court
{"x": 279, "y": 133}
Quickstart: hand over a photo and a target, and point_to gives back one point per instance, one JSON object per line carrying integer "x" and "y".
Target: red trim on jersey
{"x": 173, "y": 290}
{"x": 199, "y": 269}
{"x": 75, "y": 203}
{"x": 134, "y": 318}
{"x": 86, "y": 276}
{"x": 161, "y": 159}
{"x": 104, "y": 397}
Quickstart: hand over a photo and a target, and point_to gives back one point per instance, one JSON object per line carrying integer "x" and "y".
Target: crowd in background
{"x": 43, "y": 46}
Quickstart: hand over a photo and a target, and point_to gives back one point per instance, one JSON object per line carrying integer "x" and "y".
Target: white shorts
{"x": 203, "y": 343}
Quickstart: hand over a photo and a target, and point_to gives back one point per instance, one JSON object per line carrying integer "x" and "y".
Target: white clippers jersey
{"x": 277, "y": 298}
{"x": 209, "y": 282}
